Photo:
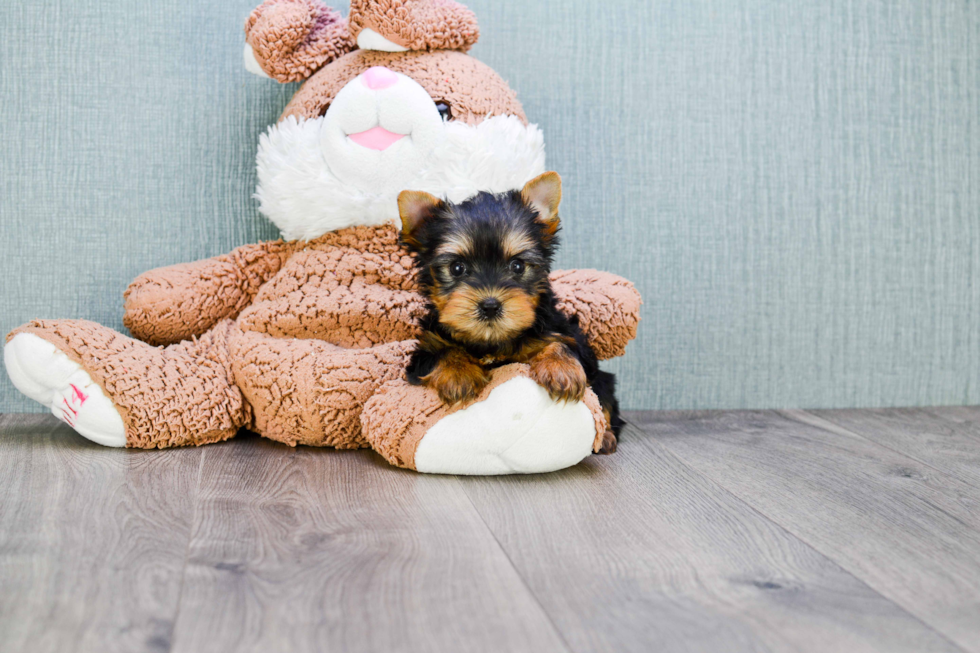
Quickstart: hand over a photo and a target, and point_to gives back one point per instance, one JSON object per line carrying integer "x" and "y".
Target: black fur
{"x": 483, "y": 220}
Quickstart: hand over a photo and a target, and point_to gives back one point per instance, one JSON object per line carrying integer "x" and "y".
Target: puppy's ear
{"x": 543, "y": 194}
{"x": 415, "y": 207}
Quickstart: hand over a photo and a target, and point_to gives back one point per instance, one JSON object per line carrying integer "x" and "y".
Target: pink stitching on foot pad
{"x": 78, "y": 395}
{"x": 78, "y": 399}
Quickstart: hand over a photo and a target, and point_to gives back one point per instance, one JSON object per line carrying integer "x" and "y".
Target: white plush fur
{"x": 518, "y": 429}
{"x": 251, "y": 63}
{"x": 313, "y": 179}
{"x": 401, "y": 108}
{"x": 368, "y": 39}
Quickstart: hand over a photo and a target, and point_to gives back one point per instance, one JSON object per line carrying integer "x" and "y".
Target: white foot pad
{"x": 518, "y": 429}
{"x": 45, "y": 374}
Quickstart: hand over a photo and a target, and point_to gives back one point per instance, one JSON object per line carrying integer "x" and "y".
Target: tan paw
{"x": 457, "y": 379}
{"x": 560, "y": 373}
{"x": 609, "y": 443}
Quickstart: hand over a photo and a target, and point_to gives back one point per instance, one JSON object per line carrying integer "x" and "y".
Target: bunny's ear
{"x": 289, "y": 40}
{"x": 400, "y": 25}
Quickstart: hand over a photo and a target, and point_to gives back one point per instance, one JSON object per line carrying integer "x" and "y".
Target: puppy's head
{"x": 484, "y": 263}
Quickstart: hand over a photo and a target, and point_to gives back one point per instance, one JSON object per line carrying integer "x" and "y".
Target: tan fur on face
{"x": 459, "y": 244}
{"x": 516, "y": 242}
{"x": 460, "y": 314}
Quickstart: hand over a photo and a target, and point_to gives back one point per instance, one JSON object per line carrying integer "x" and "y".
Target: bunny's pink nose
{"x": 378, "y": 78}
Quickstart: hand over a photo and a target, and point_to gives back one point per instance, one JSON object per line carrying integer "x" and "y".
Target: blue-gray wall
{"x": 794, "y": 186}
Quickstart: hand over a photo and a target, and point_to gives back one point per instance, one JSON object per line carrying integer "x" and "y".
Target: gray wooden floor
{"x": 747, "y": 531}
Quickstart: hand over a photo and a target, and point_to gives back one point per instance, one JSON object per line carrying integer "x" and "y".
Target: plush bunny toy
{"x": 305, "y": 340}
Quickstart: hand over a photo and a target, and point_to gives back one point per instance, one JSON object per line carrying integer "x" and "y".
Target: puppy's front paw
{"x": 560, "y": 373}
{"x": 460, "y": 389}
{"x": 457, "y": 380}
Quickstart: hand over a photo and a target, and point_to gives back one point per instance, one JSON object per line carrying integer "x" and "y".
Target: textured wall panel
{"x": 794, "y": 186}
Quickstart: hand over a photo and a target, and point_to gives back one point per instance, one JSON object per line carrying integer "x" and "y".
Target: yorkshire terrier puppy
{"x": 483, "y": 265}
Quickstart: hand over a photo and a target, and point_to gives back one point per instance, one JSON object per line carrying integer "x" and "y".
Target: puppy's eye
{"x": 444, "y": 111}
{"x": 517, "y": 267}
{"x": 457, "y": 269}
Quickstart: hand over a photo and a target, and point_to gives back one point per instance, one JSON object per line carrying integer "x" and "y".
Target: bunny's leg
{"x": 311, "y": 392}
{"x": 118, "y": 391}
{"x": 513, "y": 427}
{"x": 307, "y": 391}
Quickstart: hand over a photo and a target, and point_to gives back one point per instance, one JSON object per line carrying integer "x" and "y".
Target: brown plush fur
{"x": 420, "y": 25}
{"x": 291, "y": 39}
{"x": 293, "y": 339}
{"x": 213, "y": 290}
{"x": 470, "y": 87}
{"x": 167, "y": 397}
{"x": 291, "y": 365}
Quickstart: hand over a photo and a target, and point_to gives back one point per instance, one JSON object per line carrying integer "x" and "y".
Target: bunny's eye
{"x": 444, "y": 111}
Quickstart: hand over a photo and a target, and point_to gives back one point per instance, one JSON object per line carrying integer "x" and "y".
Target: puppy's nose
{"x": 490, "y": 308}
{"x": 378, "y": 78}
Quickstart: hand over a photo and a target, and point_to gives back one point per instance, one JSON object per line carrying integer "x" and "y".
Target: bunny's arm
{"x": 175, "y": 303}
{"x": 607, "y": 307}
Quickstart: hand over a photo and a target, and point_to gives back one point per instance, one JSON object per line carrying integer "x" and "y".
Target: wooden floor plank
{"x": 719, "y": 532}
{"x": 908, "y": 530}
{"x": 92, "y": 540}
{"x": 321, "y": 550}
{"x": 968, "y": 415}
{"x": 637, "y": 552}
{"x": 947, "y": 439}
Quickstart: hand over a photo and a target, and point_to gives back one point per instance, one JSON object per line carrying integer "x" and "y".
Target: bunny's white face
{"x": 382, "y": 134}
{"x": 380, "y": 130}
